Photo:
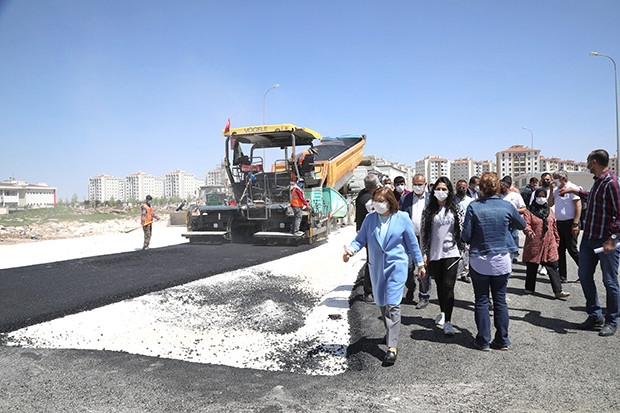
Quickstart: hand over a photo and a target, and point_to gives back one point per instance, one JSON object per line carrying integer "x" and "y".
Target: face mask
{"x": 300, "y": 184}
{"x": 477, "y": 188}
{"x": 503, "y": 190}
{"x": 546, "y": 184}
{"x": 541, "y": 200}
{"x": 380, "y": 207}
{"x": 389, "y": 186}
{"x": 418, "y": 189}
{"x": 460, "y": 192}
{"x": 400, "y": 188}
{"x": 557, "y": 182}
{"x": 441, "y": 195}
{"x": 149, "y": 202}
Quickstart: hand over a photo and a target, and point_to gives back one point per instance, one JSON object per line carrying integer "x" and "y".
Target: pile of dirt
{"x": 17, "y": 234}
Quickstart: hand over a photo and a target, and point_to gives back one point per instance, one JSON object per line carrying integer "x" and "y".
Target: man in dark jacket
{"x": 362, "y": 208}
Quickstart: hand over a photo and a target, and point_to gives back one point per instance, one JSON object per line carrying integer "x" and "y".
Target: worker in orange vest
{"x": 298, "y": 203}
{"x": 146, "y": 220}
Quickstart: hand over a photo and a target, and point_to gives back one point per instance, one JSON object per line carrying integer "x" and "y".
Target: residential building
{"x": 182, "y": 184}
{"x": 104, "y": 187}
{"x": 432, "y": 167}
{"x": 140, "y": 184}
{"x": 517, "y": 160}
{"x": 462, "y": 168}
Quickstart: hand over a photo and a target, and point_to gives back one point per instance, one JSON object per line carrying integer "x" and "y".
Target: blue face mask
{"x": 149, "y": 202}
{"x": 300, "y": 184}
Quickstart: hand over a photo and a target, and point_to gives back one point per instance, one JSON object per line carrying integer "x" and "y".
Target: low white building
{"x": 16, "y": 195}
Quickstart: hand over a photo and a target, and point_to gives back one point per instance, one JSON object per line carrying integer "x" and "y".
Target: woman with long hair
{"x": 442, "y": 222}
{"x": 389, "y": 237}
{"x": 541, "y": 244}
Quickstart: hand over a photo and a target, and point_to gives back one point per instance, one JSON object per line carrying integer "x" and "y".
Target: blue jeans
{"x": 497, "y": 284}
{"x": 609, "y": 267}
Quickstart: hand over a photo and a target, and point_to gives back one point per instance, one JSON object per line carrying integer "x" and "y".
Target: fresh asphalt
{"x": 551, "y": 366}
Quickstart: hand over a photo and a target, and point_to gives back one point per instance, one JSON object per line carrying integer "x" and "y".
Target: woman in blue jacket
{"x": 489, "y": 221}
{"x": 389, "y": 236}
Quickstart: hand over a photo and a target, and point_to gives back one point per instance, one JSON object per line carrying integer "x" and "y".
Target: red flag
{"x": 227, "y": 128}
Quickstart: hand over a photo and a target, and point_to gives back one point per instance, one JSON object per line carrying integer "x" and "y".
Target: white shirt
{"x": 514, "y": 198}
{"x": 565, "y": 205}
{"x": 418, "y": 204}
{"x": 464, "y": 203}
{"x": 443, "y": 244}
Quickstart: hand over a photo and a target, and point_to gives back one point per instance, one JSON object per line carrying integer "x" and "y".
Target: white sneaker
{"x": 542, "y": 270}
{"x": 447, "y": 329}
{"x": 439, "y": 321}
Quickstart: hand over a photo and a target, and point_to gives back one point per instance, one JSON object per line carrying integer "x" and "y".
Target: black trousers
{"x": 531, "y": 270}
{"x": 567, "y": 243}
{"x": 444, "y": 272}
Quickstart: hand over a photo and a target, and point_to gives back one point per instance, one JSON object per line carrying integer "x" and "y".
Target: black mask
{"x": 546, "y": 184}
{"x": 460, "y": 192}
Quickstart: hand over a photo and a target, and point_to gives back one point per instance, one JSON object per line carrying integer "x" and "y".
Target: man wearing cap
{"x": 298, "y": 203}
{"x": 146, "y": 220}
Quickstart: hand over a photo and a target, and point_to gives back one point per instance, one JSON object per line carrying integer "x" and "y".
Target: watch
{"x": 614, "y": 236}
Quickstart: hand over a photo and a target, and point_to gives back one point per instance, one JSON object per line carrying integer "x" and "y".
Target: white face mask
{"x": 541, "y": 200}
{"x": 418, "y": 189}
{"x": 477, "y": 188}
{"x": 380, "y": 207}
{"x": 400, "y": 188}
{"x": 557, "y": 183}
{"x": 441, "y": 195}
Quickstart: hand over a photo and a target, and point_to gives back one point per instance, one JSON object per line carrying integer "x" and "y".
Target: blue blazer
{"x": 388, "y": 262}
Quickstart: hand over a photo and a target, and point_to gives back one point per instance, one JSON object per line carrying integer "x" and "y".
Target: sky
{"x": 120, "y": 86}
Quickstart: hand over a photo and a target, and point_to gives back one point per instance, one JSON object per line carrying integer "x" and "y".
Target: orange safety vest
{"x": 147, "y": 214}
{"x": 297, "y": 198}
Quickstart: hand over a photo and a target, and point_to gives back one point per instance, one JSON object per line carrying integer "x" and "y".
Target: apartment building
{"x": 432, "y": 167}
{"x": 181, "y": 184}
{"x": 518, "y": 160}
{"x": 104, "y": 187}
{"x": 140, "y": 184}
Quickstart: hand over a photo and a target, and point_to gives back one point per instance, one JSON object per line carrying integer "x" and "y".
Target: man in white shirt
{"x": 463, "y": 200}
{"x": 567, "y": 215}
{"x": 510, "y": 194}
{"x": 414, "y": 203}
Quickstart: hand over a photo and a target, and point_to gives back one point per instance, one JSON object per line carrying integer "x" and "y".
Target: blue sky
{"x": 89, "y": 87}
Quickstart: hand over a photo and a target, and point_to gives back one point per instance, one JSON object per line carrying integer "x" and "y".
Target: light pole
{"x": 617, "y": 128}
{"x": 265, "y": 98}
{"x": 531, "y": 133}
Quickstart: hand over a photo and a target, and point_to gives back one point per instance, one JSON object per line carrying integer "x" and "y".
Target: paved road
{"x": 550, "y": 367}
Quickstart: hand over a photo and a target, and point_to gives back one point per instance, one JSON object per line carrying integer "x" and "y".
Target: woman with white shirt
{"x": 442, "y": 222}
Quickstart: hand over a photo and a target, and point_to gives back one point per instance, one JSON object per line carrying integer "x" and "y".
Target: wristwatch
{"x": 614, "y": 237}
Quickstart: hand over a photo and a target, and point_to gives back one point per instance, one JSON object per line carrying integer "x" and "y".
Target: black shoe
{"x": 592, "y": 323}
{"x": 607, "y": 330}
{"x": 497, "y": 346}
{"x": 390, "y": 358}
{"x": 466, "y": 279}
{"x": 408, "y": 297}
{"x": 422, "y": 304}
{"x": 478, "y": 346}
{"x": 563, "y": 280}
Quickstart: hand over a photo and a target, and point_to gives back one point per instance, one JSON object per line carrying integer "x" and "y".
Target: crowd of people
{"x": 470, "y": 232}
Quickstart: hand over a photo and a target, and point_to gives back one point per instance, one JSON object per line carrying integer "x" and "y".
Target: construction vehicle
{"x": 262, "y": 163}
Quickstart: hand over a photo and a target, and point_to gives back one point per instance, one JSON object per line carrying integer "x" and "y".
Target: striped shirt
{"x": 603, "y": 203}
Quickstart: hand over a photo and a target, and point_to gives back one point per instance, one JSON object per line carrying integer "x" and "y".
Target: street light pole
{"x": 617, "y": 128}
{"x": 265, "y": 98}
{"x": 531, "y": 133}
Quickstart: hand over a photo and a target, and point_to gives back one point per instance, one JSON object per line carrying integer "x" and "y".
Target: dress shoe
{"x": 422, "y": 304}
{"x": 466, "y": 279}
{"x": 562, "y": 295}
{"x": 607, "y": 330}
{"x": 390, "y": 357}
{"x": 592, "y": 323}
{"x": 408, "y": 297}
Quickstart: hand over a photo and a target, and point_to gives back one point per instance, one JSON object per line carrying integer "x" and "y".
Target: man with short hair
{"x": 474, "y": 188}
{"x": 400, "y": 188}
{"x": 526, "y": 194}
{"x": 567, "y": 215}
{"x": 545, "y": 182}
{"x": 147, "y": 215}
{"x": 463, "y": 200}
{"x": 362, "y": 208}
{"x": 601, "y": 231}
{"x": 508, "y": 194}
{"x": 414, "y": 204}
